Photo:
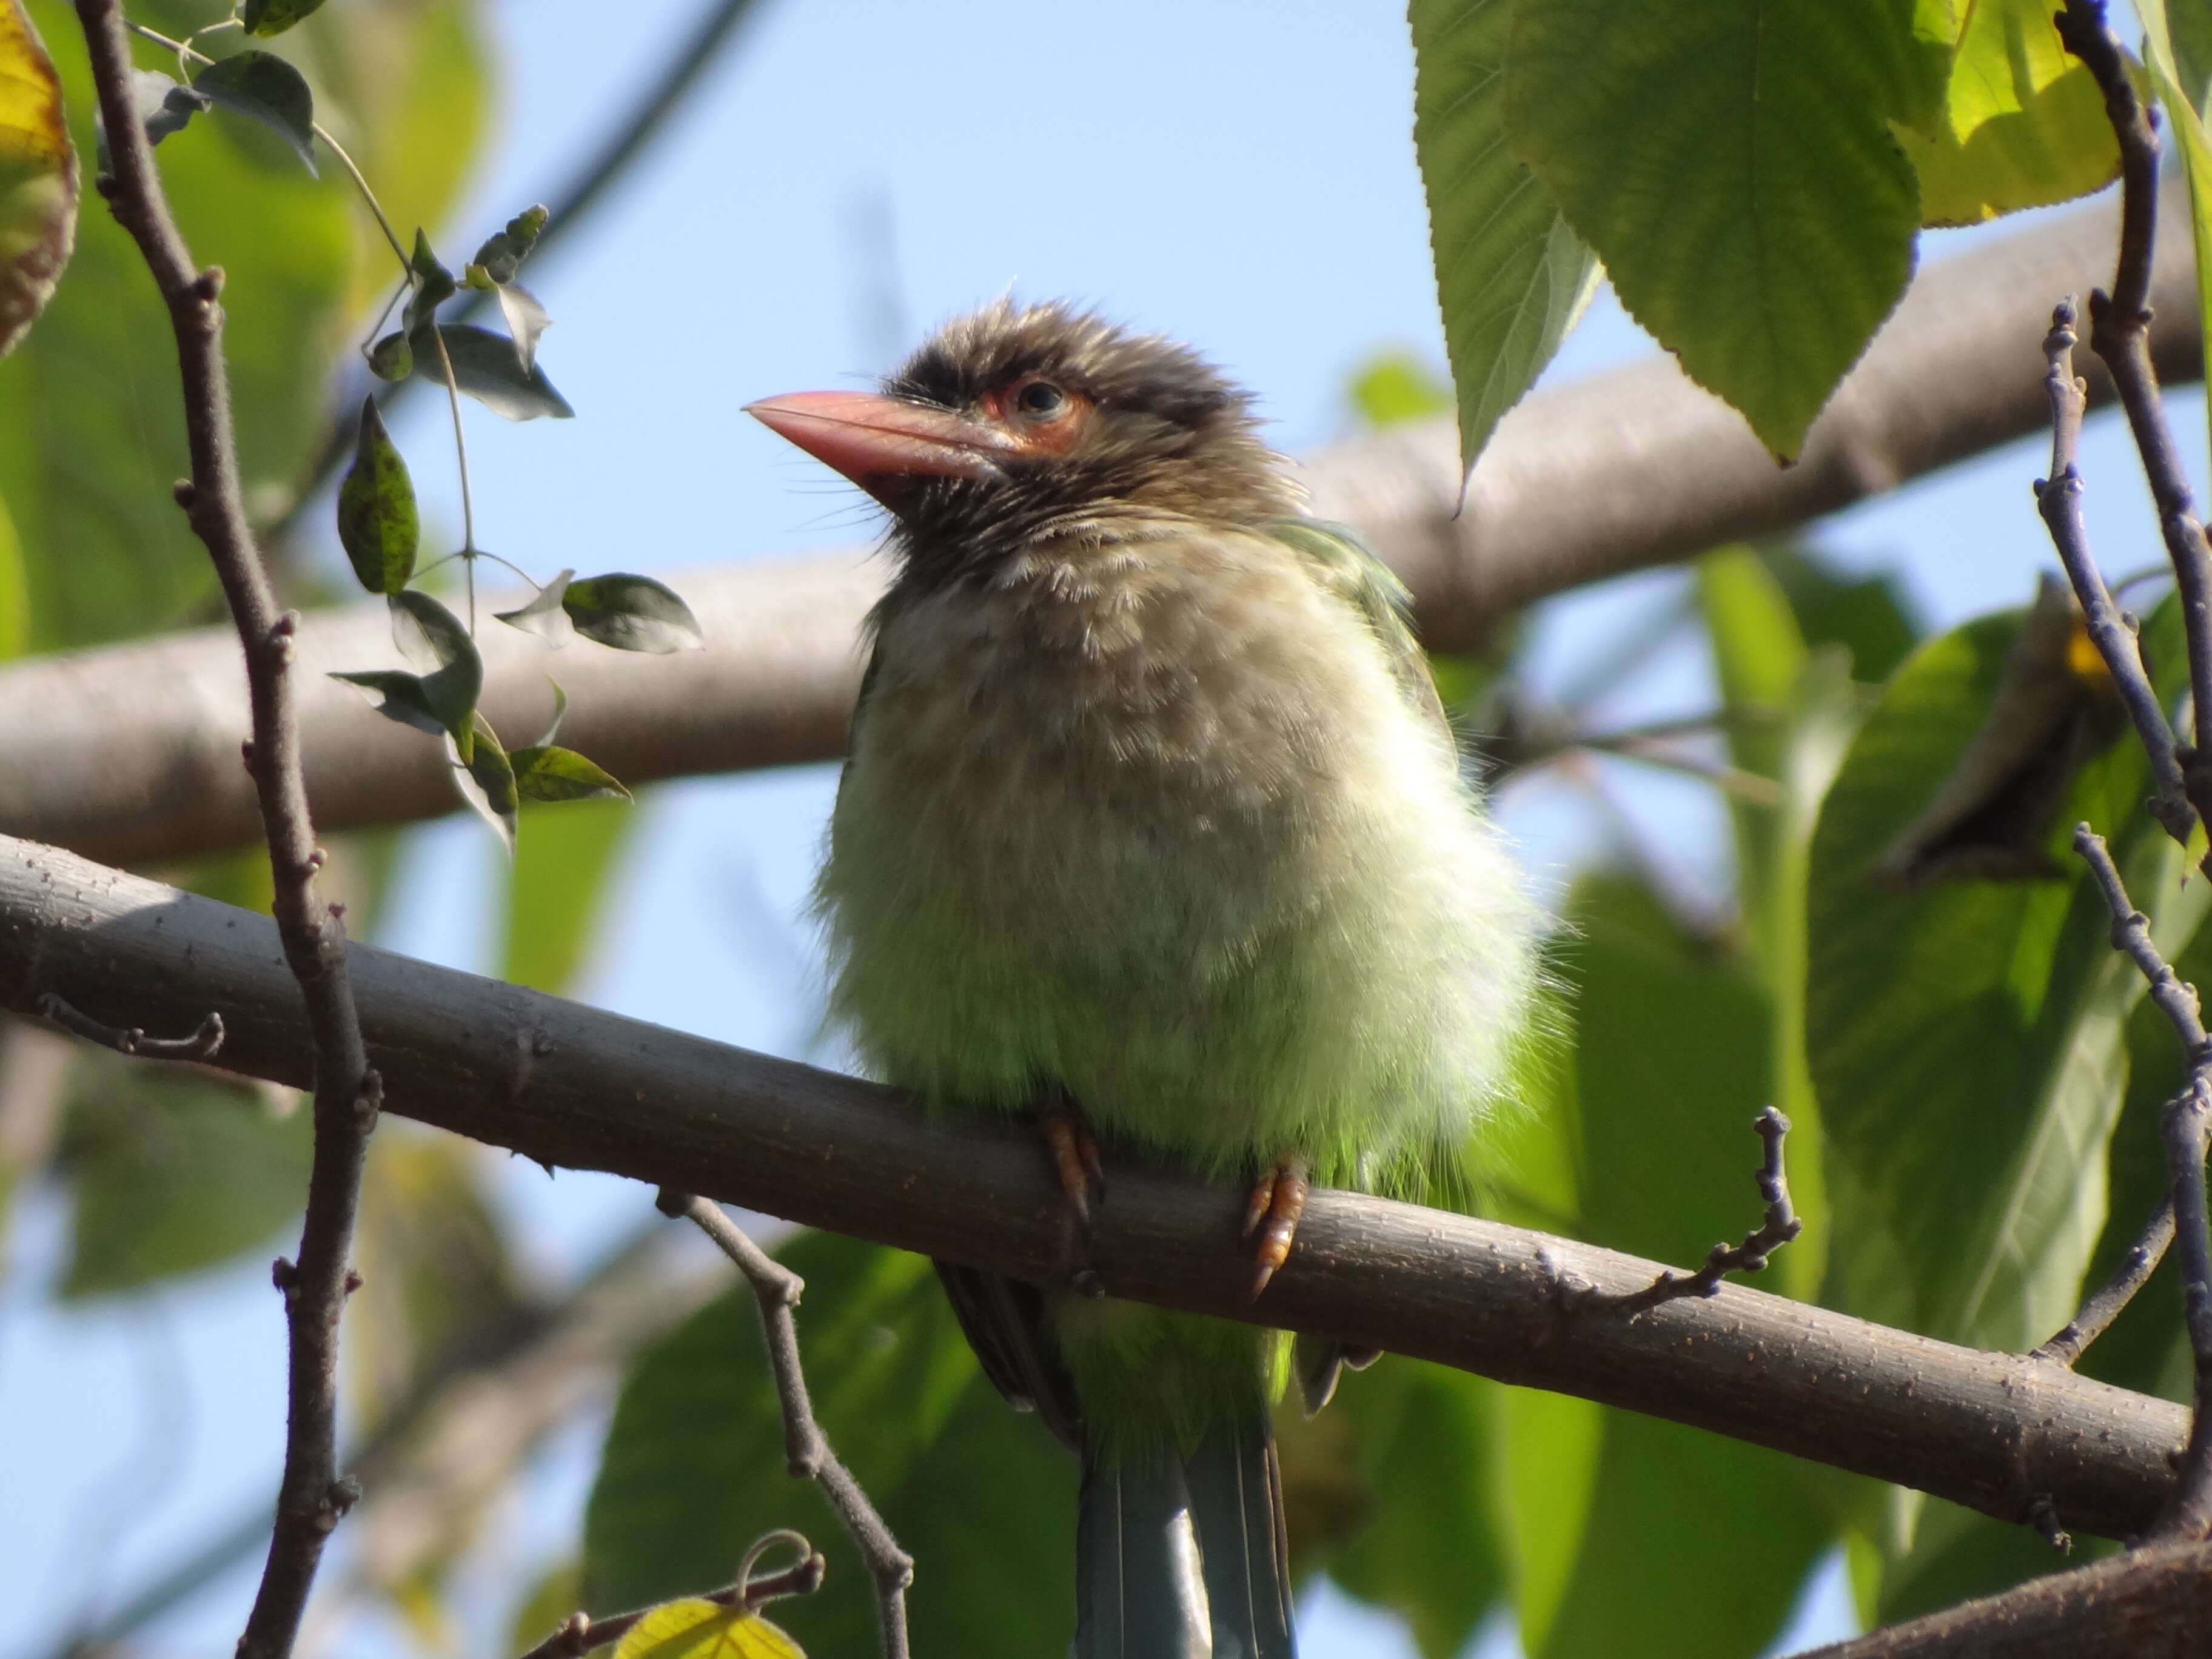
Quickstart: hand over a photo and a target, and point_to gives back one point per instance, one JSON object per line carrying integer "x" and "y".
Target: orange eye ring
{"x": 1043, "y": 415}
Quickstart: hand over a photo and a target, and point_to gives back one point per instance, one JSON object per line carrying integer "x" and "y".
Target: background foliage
{"x": 1973, "y": 1077}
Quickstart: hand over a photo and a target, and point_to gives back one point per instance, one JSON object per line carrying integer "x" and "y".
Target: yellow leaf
{"x": 38, "y": 177}
{"x": 705, "y": 1630}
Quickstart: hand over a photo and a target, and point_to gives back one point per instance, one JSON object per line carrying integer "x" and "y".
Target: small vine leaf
{"x": 698, "y": 1629}
{"x": 397, "y": 696}
{"x": 38, "y": 177}
{"x": 433, "y": 641}
{"x": 485, "y": 777}
{"x": 545, "y": 617}
{"x": 632, "y": 613}
{"x": 504, "y": 250}
{"x": 485, "y": 368}
{"x": 434, "y": 285}
{"x": 526, "y": 320}
{"x": 544, "y": 773}
{"x": 262, "y": 86}
{"x": 560, "y": 714}
{"x": 268, "y": 17}
{"x": 377, "y": 519}
{"x": 392, "y": 358}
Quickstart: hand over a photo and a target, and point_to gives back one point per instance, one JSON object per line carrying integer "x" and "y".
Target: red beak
{"x": 870, "y": 438}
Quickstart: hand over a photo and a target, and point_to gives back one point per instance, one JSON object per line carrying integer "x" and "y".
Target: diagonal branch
{"x": 311, "y": 1495}
{"x": 571, "y": 1085}
{"x": 807, "y": 1449}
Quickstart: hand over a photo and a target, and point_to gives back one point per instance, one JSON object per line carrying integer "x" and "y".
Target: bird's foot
{"x": 1278, "y": 1199}
{"x": 1081, "y": 1176}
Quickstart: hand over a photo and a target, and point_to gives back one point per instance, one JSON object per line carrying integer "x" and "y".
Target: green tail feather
{"x": 1181, "y": 1557}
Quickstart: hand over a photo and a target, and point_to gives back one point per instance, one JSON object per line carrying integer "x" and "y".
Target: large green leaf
{"x": 2025, "y": 124}
{"x": 1512, "y": 277}
{"x": 1548, "y": 1468}
{"x": 172, "y": 1172}
{"x": 694, "y": 1469}
{"x": 1967, "y": 1038}
{"x": 1732, "y": 164}
{"x": 1425, "y": 1440}
{"x": 1870, "y": 617}
{"x": 1665, "y": 1498}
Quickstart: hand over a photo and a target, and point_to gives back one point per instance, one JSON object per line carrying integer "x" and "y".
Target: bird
{"x": 1152, "y": 830}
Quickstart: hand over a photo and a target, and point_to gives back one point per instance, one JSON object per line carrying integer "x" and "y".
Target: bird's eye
{"x": 1040, "y": 399}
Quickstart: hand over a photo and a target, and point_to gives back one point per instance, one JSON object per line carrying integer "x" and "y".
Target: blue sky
{"x": 1239, "y": 174}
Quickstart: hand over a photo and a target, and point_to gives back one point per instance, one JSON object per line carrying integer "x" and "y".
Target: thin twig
{"x": 1776, "y": 1228}
{"x": 348, "y": 1094}
{"x": 580, "y": 1632}
{"x": 686, "y": 64}
{"x": 2187, "y": 1123}
{"x": 2058, "y": 498}
{"x": 807, "y": 1449}
{"x": 2119, "y": 333}
{"x": 2106, "y": 1303}
{"x": 200, "y": 1045}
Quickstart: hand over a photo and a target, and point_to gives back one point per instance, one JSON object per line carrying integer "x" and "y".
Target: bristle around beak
{"x": 870, "y": 438}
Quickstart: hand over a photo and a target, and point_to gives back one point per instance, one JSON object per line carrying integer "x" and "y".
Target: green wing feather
{"x": 1345, "y": 565}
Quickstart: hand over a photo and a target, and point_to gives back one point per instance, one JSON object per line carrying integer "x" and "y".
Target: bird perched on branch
{"x": 1153, "y": 828}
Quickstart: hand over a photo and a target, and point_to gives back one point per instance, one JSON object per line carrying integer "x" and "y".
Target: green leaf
{"x": 268, "y": 17}
{"x": 1426, "y": 1439}
{"x": 632, "y": 613}
{"x": 434, "y": 286}
{"x": 501, "y": 254}
{"x": 1643, "y": 1582}
{"x": 486, "y": 779}
{"x": 486, "y": 368}
{"x": 38, "y": 177}
{"x": 1958, "y": 1554}
{"x": 526, "y": 320}
{"x": 433, "y": 643}
{"x": 543, "y": 773}
{"x": 1732, "y": 165}
{"x": 164, "y": 107}
{"x": 397, "y": 696}
{"x": 1966, "y": 1037}
{"x": 1512, "y": 277}
{"x": 696, "y": 1628}
{"x": 1870, "y": 617}
{"x": 377, "y": 521}
{"x": 172, "y": 1172}
{"x": 694, "y": 1470}
{"x": 1548, "y": 1475}
{"x": 392, "y": 358}
{"x": 559, "y": 889}
{"x": 2025, "y": 124}
{"x": 543, "y": 616}
{"x": 264, "y": 88}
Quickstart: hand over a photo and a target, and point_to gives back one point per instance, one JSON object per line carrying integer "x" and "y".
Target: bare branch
{"x": 312, "y": 1494}
{"x": 203, "y": 1042}
{"x": 571, "y": 1085}
{"x": 2149, "y": 1601}
{"x": 2058, "y": 498}
{"x": 2188, "y": 1129}
{"x": 807, "y": 1451}
{"x": 2106, "y": 1303}
{"x": 2119, "y": 333}
{"x": 1778, "y": 1226}
{"x": 1622, "y": 471}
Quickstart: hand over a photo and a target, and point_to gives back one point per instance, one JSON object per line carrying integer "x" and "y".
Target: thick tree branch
{"x": 2149, "y": 1604}
{"x": 311, "y": 1496}
{"x": 1625, "y": 470}
{"x": 568, "y": 1084}
{"x": 806, "y": 1450}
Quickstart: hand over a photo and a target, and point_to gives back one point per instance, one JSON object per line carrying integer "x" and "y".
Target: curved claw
{"x": 1278, "y": 1199}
